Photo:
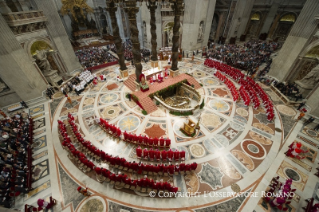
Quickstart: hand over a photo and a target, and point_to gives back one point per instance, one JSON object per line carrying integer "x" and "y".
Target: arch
{"x": 255, "y": 16}
{"x": 285, "y": 23}
{"x": 310, "y": 47}
{"x": 30, "y": 43}
{"x": 254, "y": 24}
{"x": 288, "y": 17}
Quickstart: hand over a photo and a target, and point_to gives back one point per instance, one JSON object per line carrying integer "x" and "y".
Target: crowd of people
{"x": 289, "y": 89}
{"x": 15, "y": 156}
{"x": 94, "y": 56}
{"x": 128, "y": 55}
{"x": 248, "y": 57}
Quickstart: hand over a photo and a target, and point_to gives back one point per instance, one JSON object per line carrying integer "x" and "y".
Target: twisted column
{"x": 116, "y": 34}
{"x": 178, "y": 8}
{"x": 152, "y": 7}
{"x": 131, "y": 9}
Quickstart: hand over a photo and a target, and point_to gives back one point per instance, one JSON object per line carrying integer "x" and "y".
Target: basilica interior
{"x": 159, "y": 105}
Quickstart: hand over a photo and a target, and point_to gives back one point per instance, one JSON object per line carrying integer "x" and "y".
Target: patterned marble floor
{"x": 236, "y": 148}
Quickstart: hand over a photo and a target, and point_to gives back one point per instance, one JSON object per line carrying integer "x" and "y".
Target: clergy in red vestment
{"x": 164, "y": 155}
{"x": 139, "y": 152}
{"x": 151, "y": 154}
{"x": 170, "y": 155}
{"x": 176, "y": 155}
{"x": 145, "y": 153}
{"x": 158, "y": 155}
{"x": 193, "y": 166}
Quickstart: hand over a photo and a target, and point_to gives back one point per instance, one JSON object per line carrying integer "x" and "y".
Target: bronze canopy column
{"x": 177, "y": 7}
{"x": 131, "y": 9}
{"x": 117, "y": 39}
{"x": 152, "y": 6}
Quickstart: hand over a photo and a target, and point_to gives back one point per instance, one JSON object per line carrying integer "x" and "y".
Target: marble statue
{"x": 170, "y": 37}
{"x": 42, "y": 61}
{"x": 51, "y": 75}
{"x": 200, "y": 32}
{"x": 311, "y": 79}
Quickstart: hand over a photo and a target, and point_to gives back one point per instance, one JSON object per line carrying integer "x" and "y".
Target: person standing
{"x": 69, "y": 100}
{"x": 310, "y": 120}
{"x": 49, "y": 94}
{"x": 301, "y": 105}
{"x": 63, "y": 91}
{"x": 316, "y": 127}
{"x": 24, "y": 104}
{"x": 302, "y": 114}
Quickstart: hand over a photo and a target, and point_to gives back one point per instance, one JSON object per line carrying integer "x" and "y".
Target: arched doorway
{"x": 285, "y": 24}
{"x": 167, "y": 34}
{"x": 213, "y": 28}
{"x": 104, "y": 24}
{"x": 253, "y": 25}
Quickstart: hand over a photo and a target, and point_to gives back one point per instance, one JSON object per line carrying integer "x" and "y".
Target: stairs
{"x": 148, "y": 105}
{"x": 130, "y": 82}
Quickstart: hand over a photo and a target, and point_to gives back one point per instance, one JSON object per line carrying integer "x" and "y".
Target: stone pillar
{"x": 240, "y": 18}
{"x": 178, "y": 9}
{"x": 198, "y": 15}
{"x": 302, "y": 30}
{"x": 120, "y": 23}
{"x": 273, "y": 26}
{"x": 58, "y": 35}
{"x": 18, "y": 70}
{"x": 117, "y": 39}
{"x": 17, "y": 4}
{"x": 158, "y": 27}
{"x": 270, "y": 16}
{"x": 221, "y": 23}
{"x": 23, "y": 5}
{"x": 208, "y": 22}
{"x": 4, "y": 7}
{"x": 131, "y": 9}
{"x": 152, "y": 6}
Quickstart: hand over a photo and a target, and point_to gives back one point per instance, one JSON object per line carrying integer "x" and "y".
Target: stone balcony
{"x": 23, "y": 22}
{"x": 24, "y": 18}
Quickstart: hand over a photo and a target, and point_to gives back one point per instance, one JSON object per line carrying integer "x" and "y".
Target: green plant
{"x": 157, "y": 102}
{"x": 144, "y": 112}
{"x": 128, "y": 95}
{"x": 181, "y": 114}
{"x": 201, "y": 84}
{"x": 202, "y": 105}
{"x": 135, "y": 98}
{"x": 192, "y": 85}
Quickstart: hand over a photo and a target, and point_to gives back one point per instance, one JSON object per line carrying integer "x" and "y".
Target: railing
{"x": 22, "y": 18}
{"x": 186, "y": 110}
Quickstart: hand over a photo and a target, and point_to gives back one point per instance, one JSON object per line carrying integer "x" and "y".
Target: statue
{"x": 310, "y": 80}
{"x": 170, "y": 37}
{"x": 143, "y": 84}
{"x": 200, "y": 32}
{"x": 42, "y": 61}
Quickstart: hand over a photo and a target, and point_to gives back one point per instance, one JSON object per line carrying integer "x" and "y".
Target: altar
{"x": 166, "y": 51}
{"x": 153, "y": 71}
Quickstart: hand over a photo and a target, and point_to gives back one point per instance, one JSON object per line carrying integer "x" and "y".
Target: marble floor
{"x": 236, "y": 148}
